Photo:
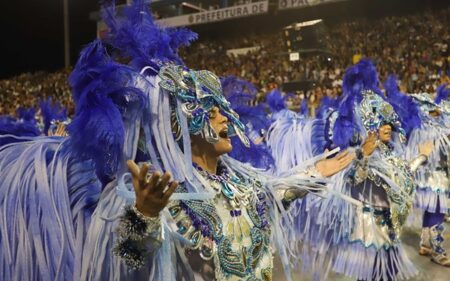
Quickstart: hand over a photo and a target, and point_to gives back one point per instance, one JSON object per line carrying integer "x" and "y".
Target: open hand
{"x": 153, "y": 194}
{"x": 60, "y": 131}
{"x": 329, "y": 167}
{"x": 426, "y": 148}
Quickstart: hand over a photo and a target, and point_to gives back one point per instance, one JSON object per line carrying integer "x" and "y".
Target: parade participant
{"x": 432, "y": 179}
{"x": 361, "y": 240}
{"x": 73, "y": 212}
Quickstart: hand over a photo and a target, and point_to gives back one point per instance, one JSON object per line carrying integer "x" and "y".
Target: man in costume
{"x": 361, "y": 240}
{"x": 71, "y": 210}
{"x": 432, "y": 179}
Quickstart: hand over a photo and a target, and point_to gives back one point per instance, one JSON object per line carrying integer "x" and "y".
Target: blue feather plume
{"x": 257, "y": 155}
{"x": 239, "y": 93}
{"x": 359, "y": 77}
{"x": 275, "y": 101}
{"x": 20, "y": 128}
{"x": 104, "y": 100}
{"x": 139, "y": 38}
{"x": 304, "y": 108}
{"x": 26, "y": 114}
{"x": 326, "y": 104}
{"x": 51, "y": 111}
{"x": 442, "y": 93}
{"x": 405, "y": 107}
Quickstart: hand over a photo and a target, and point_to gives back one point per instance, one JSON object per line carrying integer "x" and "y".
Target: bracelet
{"x": 146, "y": 219}
{"x": 152, "y": 223}
{"x": 136, "y": 226}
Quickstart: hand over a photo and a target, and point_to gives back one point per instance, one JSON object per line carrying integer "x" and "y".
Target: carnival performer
{"x": 71, "y": 210}
{"x": 361, "y": 240}
{"x": 432, "y": 179}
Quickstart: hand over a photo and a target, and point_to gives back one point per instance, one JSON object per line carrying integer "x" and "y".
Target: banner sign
{"x": 293, "y": 4}
{"x": 243, "y": 51}
{"x": 239, "y": 11}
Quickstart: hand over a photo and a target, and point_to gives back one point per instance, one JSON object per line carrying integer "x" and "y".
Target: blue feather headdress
{"x": 304, "y": 111}
{"x": 425, "y": 102}
{"x": 404, "y": 105}
{"x": 26, "y": 114}
{"x": 361, "y": 85}
{"x": 51, "y": 112}
{"x": 442, "y": 93}
{"x": 275, "y": 101}
{"x": 327, "y": 105}
{"x": 112, "y": 98}
{"x": 137, "y": 37}
{"x": 104, "y": 96}
{"x": 238, "y": 91}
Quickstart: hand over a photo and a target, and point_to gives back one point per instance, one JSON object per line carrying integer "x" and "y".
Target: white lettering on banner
{"x": 290, "y": 4}
{"x": 218, "y": 15}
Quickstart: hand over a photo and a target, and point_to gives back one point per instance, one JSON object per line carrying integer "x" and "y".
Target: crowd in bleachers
{"x": 27, "y": 89}
{"x": 415, "y": 47}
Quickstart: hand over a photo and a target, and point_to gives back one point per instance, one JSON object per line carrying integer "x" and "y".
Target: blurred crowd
{"x": 415, "y": 48}
{"x": 27, "y": 89}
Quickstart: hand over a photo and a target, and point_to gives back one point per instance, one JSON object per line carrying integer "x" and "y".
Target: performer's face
{"x": 385, "y": 133}
{"x": 220, "y": 124}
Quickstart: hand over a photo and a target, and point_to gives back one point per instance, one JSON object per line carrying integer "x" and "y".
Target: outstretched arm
{"x": 425, "y": 150}
{"x": 322, "y": 168}
{"x": 140, "y": 226}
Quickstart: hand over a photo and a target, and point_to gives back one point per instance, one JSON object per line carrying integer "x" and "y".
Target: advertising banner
{"x": 239, "y": 11}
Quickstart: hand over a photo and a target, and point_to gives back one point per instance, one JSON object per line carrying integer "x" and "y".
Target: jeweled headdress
{"x": 361, "y": 96}
{"x": 376, "y": 112}
{"x": 200, "y": 91}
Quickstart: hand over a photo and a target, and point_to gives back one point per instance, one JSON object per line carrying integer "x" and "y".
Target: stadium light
{"x": 192, "y": 6}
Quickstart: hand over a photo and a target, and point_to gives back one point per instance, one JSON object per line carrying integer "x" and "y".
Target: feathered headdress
{"x": 354, "y": 118}
{"x": 404, "y": 105}
{"x": 199, "y": 92}
{"x": 26, "y": 114}
{"x": 275, "y": 101}
{"x": 105, "y": 98}
{"x": 51, "y": 112}
{"x": 138, "y": 38}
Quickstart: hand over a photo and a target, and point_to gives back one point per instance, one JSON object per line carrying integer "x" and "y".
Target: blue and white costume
{"x": 67, "y": 203}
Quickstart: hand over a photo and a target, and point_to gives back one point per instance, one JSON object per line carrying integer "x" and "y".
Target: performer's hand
{"x": 329, "y": 167}
{"x": 60, "y": 131}
{"x": 370, "y": 144}
{"x": 153, "y": 194}
{"x": 426, "y": 148}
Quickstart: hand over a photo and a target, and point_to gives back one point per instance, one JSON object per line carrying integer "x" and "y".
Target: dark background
{"x": 32, "y": 33}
